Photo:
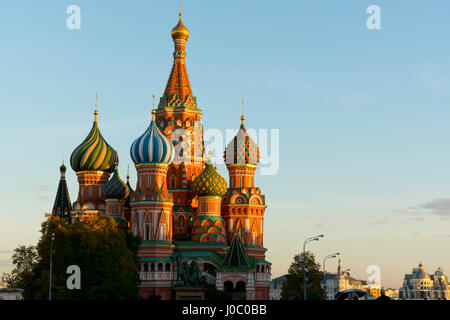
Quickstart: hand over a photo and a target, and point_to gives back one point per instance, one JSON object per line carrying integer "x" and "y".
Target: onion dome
{"x": 209, "y": 183}
{"x": 94, "y": 153}
{"x": 62, "y": 168}
{"x": 152, "y": 146}
{"x": 180, "y": 31}
{"x": 241, "y": 149}
{"x": 115, "y": 188}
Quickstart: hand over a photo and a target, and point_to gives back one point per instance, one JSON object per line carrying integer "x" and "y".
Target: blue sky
{"x": 363, "y": 114}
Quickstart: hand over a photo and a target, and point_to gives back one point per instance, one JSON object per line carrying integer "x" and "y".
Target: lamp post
{"x": 334, "y": 255}
{"x": 316, "y": 238}
{"x": 51, "y": 267}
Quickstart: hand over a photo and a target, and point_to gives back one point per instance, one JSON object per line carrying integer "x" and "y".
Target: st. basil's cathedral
{"x": 181, "y": 207}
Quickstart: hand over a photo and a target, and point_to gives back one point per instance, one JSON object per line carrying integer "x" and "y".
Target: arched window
{"x": 149, "y": 182}
{"x": 145, "y": 267}
{"x": 173, "y": 183}
{"x": 90, "y": 192}
{"x": 160, "y": 267}
{"x": 167, "y": 267}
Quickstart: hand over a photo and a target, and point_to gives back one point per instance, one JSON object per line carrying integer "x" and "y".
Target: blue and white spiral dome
{"x": 152, "y": 147}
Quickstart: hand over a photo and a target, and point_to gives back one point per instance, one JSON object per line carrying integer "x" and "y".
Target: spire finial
{"x": 153, "y": 108}
{"x": 180, "y": 31}
{"x": 96, "y": 105}
{"x": 242, "y": 114}
{"x": 128, "y": 173}
{"x": 209, "y": 152}
{"x": 62, "y": 168}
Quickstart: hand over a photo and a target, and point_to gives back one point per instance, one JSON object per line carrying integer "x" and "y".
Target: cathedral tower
{"x": 151, "y": 208}
{"x": 62, "y": 206}
{"x": 208, "y": 225}
{"x": 93, "y": 161}
{"x": 243, "y": 204}
{"x": 179, "y": 118}
{"x": 115, "y": 192}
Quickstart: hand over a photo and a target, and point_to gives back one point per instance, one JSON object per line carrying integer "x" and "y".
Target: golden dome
{"x": 180, "y": 31}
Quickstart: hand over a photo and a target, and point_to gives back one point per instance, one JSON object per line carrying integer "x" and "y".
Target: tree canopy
{"x": 106, "y": 256}
{"x": 292, "y": 288}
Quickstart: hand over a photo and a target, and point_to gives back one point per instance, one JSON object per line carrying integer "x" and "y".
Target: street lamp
{"x": 334, "y": 255}
{"x": 316, "y": 238}
{"x": 51, "y": 267}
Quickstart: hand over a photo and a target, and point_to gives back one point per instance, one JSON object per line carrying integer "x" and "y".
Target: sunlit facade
{"x": 420, "y": 285}
{"x": 181, "y": 207}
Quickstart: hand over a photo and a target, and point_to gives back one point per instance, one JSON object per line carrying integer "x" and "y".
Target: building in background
{"x": 275, "y": 287}
{"x": 333, "y": 283}
{"x": 392, "y": 293}
{"x": 11, "y": 294}
{"x": 421, "y": 285}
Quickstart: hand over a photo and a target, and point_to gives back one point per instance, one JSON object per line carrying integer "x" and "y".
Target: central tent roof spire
{"x": 178, "y": 92}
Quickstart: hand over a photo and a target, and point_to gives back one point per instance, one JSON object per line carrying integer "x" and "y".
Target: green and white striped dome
{"x": 94, "y": 153}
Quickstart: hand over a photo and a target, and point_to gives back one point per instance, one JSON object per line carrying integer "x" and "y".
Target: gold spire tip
{"x": 242, "y": 114}
{"x": 153, "y": 108}
{"x": 180, "y": 31}
{"x": 96, "y": 105}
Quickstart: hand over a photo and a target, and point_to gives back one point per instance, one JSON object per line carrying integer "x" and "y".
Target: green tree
{"x": 106, "y": 255}
{"x": 24, "y": 259}
{"x": 292, "y": 289}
